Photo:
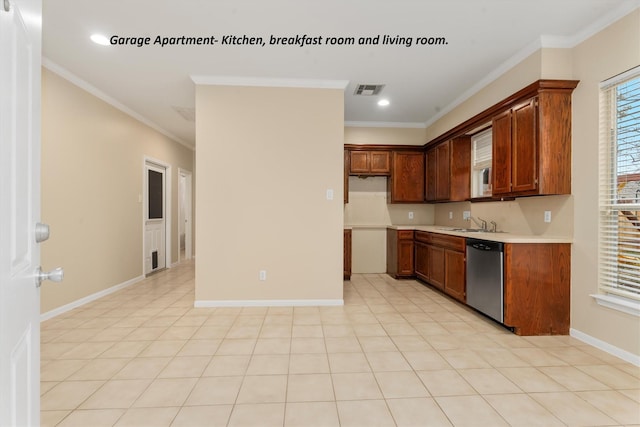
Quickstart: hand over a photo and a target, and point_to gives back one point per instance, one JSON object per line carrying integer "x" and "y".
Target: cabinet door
{"x": 454, "y": 282}
{"x": 502, "y": 153}
{"x": 523, "y": 148}
{"x": 407, "y": 177}
{"x": 405, "y": 257}
{"x": 360, "y": 162}
{"x": 430, "y": 193}
{"x": 460, "y": 169}
{"x": 380, "y": 162}
{"x": 443, "y": 170}
{"x": 422, "y": 260}
{"x": 347, "y": 159}
{"x": 346, "y": 254}
{"x": 436, "y": 267}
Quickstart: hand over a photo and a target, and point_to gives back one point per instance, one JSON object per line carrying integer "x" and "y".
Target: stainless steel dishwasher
{"x": 485, "y": 260}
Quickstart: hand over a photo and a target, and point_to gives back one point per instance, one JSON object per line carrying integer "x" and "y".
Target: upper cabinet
{"x": 347, "y": 159}
{"x": 532, "y": 146}
{"x": 448, "y": 170}
{"x": 406, "y": 184}
{"x": 370, "y": 163}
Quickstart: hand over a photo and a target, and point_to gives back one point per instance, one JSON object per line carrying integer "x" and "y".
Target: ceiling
{"x": 421, "y": 81}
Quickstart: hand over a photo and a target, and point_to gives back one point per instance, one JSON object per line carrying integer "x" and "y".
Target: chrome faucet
{"x": 480, "y": 223}
{"x": 494, "y": 227}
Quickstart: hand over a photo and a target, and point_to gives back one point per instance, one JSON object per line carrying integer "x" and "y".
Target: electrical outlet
{"x": 466, "y": 214}
{"x": 263, "y": 275}
{"x": 410, "y": 215}
{"x": 450, "y": 215}
{"x": 547, "y": 216}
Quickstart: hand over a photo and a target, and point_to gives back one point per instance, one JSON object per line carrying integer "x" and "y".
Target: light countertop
{"x": 495, "y": 237}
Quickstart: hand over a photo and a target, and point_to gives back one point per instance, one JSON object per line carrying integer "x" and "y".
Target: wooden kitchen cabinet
{"x": 406, "y": 183}
{"x": 532, "y": 146}
{"x": 346, "y": 254}
{"x": 400, "y": 253}
{"x": 370, "y": 163}
{"x": 347, "y": 164}
{"x": 421, "y": 260}
{"x": 448, "y": 171}
{"x": 440, "y": 261}
{"x": 435, "y": 262}
{"x": 537, "y": 288}
{"x": 455, "y": 274}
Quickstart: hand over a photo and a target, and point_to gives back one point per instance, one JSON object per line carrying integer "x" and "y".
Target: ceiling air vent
{"x": 189, "y": 114}
{"x": 368, "y": 90}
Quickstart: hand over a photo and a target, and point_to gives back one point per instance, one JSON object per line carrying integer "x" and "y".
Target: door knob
{"x": 55, "y": 275}
{"x": 41, "y": 232}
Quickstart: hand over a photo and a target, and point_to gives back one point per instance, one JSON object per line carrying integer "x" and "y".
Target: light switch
{"x": 329, "y": 194}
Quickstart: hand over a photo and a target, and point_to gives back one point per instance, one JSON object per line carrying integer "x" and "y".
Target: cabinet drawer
{"x": 405, "y": 234}
{"x": 423, "y": 236}
{"x": 450, "y": 242}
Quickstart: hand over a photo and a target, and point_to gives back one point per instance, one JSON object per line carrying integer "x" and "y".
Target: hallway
{"x": 397, "y": 353}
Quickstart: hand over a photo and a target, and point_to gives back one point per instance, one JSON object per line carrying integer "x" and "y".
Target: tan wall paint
{"x": 92, "y": 170}
{"x": 608, "y": 53}
{"x": 384, "y": 135}
{"x": 522, "y": 216}
{"x": 265, "y": 158}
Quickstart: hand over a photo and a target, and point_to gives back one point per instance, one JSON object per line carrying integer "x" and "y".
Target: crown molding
{"x": 544, "y": 41}
{"x": 82, "y": 84}
{"x": 595, "y": 27}
{"x": 520, "y": 56}
{"x": 269, "y": 82}
{"x": 407, "y": 125}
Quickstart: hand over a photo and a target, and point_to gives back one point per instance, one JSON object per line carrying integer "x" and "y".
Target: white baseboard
{"x": 82, "y": 301}
{"x": 605, "y": 346}
{"x": 268, "y": 303}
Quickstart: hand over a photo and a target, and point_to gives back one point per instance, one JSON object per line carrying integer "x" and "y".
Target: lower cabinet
{"x": 400, "y": 253}
{"x": 440, "y": 261}
{"x": 537, "y": 279}
{"x": 346, "y": 255}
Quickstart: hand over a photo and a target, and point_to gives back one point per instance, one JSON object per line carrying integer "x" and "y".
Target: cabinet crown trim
{"x": 529, "y": 91}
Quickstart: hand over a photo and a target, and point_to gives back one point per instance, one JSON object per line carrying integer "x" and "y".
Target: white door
{"x": 155, "y": 218}
{"x": 185, "y": 221}
{"x": 20, "y": 52}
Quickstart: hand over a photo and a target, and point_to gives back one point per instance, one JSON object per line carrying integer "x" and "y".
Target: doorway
{"x": 185, "y": 223}
{"x": 156, "y": 216}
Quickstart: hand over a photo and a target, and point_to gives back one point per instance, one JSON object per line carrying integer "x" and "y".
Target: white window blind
{"x": 619, "y": 228}
{"x": 481, "y": 154}
{"x": 482, "y": 149}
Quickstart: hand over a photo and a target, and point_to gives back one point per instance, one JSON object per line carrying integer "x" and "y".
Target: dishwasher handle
{"x": 485, "y": 245}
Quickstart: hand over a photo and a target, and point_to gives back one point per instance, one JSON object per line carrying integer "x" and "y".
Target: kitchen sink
{"x": 469, "y": 230}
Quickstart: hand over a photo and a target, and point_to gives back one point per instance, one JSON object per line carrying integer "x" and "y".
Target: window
{"x": 481, "y": 154}
{"x": 619, "y": 229}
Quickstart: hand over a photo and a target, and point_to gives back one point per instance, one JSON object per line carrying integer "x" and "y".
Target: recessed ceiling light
{"x": 100, "y": 39}
{"x": 383, "y": 102}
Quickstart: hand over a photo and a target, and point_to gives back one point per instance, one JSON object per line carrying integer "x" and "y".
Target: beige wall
{"x": 92, "y": 176}
{"x": 384, "y": 135}
{"x": 265, "y": 159}
{"x": 610, "y": 52}
{"x": 521, "y": 216}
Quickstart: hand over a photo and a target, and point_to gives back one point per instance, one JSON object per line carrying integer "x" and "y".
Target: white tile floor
{"x": 397, "y": 353}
